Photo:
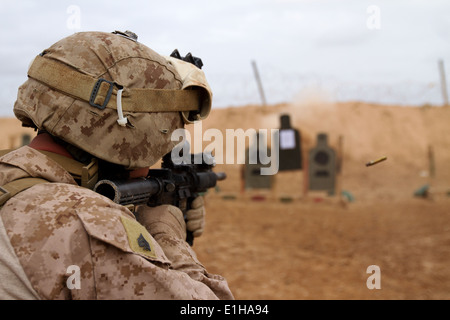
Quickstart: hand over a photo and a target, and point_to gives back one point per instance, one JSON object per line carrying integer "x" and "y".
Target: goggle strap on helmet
{"x": 98, "y": 92}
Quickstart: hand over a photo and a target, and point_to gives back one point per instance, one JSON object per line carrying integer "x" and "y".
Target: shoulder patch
{"x": 139, "y": 239}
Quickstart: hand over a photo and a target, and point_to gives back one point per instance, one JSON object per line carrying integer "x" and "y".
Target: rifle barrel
{"x": 221, "y": 176}
{"x": 133, "y": 191}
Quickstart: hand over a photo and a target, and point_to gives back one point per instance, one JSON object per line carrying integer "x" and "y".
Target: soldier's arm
{"x": 114, "y": 257}
{"x": 167, "y": 226}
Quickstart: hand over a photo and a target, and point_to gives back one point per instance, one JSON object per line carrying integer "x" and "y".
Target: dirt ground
{"x": 320, "y": 247}
{"x": 320, "y": 250}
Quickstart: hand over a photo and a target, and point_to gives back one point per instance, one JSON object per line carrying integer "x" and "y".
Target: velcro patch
{"x": 138, "y": 237}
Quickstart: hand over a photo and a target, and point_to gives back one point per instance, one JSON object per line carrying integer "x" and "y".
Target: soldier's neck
{"x": 45, "y": 142}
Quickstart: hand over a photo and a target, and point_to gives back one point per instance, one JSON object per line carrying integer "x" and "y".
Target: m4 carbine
{"x": 174, "y": 184}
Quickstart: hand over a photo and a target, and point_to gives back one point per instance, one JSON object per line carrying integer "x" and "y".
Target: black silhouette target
{"x": 322, "y": 166}
{"x": 290, "y": 148}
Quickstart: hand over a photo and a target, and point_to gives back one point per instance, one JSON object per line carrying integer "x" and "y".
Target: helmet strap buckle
{"x": 96, "y": 89}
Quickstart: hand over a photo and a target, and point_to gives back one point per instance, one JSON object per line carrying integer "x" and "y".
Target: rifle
{"x": 174, "y": 184}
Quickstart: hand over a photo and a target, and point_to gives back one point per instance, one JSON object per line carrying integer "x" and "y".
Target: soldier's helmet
{"x": 112, "y": 97}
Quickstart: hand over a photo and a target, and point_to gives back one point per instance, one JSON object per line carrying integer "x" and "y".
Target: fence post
{"x": 258, "y": 81}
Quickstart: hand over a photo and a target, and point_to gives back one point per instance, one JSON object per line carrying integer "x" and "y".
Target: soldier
{"x": 104, "y": 106}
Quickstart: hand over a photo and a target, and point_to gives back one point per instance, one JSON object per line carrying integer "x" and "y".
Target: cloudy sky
{"x": 384, "y": 51}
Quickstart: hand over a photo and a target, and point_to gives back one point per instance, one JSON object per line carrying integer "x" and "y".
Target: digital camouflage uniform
{"x": 53, "y": 226}
{"x": 119, "y": 101}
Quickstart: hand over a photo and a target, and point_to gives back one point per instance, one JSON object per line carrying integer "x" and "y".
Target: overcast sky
{"x": 383, "y": 51}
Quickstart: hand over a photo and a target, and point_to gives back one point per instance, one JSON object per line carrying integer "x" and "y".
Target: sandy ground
{"x": 308, "y": 250}
{"x": 319, "y": 247}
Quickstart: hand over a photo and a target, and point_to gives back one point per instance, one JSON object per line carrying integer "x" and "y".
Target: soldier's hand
{"x": 165, "y": 219}
{"x": 195, "y": 217}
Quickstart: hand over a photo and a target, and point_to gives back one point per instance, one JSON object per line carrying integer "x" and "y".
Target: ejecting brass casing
{"x": 371, "y": 163}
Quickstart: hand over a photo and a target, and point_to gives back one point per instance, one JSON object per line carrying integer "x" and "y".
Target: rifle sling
{"x": 12, "y": 188}
{"x": 86, "y": 174}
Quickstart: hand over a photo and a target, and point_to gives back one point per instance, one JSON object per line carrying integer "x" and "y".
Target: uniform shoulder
{"x": 61, "y": 213}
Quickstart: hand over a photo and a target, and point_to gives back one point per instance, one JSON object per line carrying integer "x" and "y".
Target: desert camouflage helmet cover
{"x": 112, "y": 97}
